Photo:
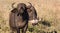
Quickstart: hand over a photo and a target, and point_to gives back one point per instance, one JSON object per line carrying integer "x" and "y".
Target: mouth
{"x": 33, "y": 22}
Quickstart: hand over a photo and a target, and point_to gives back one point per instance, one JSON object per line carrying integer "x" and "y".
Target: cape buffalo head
{"x": 32, "y": 14}
{"x": 20, "y": 9}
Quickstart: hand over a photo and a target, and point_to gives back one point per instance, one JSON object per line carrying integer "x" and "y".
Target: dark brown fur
{"x": 19, "y": 17}
{"x": 32, "y": 13}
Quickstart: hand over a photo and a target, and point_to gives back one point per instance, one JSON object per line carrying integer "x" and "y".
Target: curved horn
{"x": 29, "y": 6}
{"x": 30, "y": 3}
{"x": 13, "y": 4}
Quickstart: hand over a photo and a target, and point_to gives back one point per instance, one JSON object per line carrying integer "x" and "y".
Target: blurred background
{"x": 47, "y": 10}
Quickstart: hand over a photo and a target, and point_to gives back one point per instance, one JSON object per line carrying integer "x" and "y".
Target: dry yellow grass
{"x": 47, "y": 9}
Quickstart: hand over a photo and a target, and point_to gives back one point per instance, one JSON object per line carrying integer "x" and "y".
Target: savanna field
{"x": 47, "y": 10}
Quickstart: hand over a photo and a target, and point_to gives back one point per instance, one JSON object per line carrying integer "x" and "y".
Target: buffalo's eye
{"x": 21, "y": 7}
{"x": 29, "y": 10}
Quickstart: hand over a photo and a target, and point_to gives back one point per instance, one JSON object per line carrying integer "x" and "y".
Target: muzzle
{"x": 33, "y": 22}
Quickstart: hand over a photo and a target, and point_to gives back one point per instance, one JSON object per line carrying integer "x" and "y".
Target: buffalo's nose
{"x": 34, "y": 24}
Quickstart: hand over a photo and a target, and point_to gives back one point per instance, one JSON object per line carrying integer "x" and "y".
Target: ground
{"x": 49, "y": 10}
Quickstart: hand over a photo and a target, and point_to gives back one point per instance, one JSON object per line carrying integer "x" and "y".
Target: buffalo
{"x": 20, "y": 16}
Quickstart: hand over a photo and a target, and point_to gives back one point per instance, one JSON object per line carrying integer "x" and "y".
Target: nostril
{"x": 34, "y": 24}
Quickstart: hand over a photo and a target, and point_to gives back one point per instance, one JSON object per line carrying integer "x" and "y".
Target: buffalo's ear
{"x": 14, "y": 10}
{"x": 28, "y": 8}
